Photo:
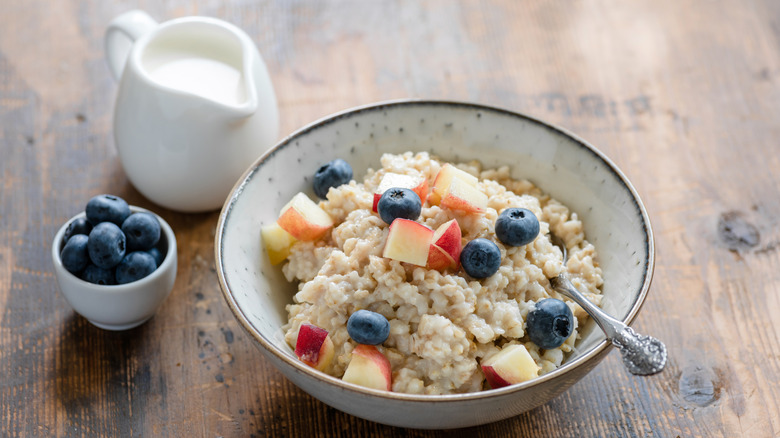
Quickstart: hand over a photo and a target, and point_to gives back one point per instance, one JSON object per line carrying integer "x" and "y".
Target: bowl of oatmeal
{"x": 394, "y": 319}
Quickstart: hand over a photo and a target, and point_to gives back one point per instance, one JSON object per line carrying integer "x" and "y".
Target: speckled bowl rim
{"x": 300, "y": 367}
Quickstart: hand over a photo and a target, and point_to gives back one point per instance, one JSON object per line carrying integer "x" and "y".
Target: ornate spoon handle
{"x": 642, "y": 355}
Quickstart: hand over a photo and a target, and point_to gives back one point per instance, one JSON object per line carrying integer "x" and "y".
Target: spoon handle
{"x": 611, "y": 326}
{"x": 642, "y": 355}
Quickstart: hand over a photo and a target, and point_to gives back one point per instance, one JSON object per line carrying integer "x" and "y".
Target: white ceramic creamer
{"x": 195, "y": 107}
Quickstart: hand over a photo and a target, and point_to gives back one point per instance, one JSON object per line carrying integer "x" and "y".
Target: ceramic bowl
{"x": 123, "y": 306}
{"x": 560, "y": 163}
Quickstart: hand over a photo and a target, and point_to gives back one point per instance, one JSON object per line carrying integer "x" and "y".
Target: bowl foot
{"x": 117, "y": 327}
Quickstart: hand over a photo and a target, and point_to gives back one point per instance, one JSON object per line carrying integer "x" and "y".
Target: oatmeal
{"x": 446, "y": 327}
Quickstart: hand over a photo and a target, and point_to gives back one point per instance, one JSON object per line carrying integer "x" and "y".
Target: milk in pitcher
{"x": 200, "y": 75}
{"x": 201, "y": 71}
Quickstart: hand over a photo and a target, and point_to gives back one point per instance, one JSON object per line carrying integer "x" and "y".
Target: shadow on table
{"x": 280, "y": 415}
{"x": 97, "y": 373}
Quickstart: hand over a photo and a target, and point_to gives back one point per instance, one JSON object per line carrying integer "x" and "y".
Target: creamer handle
{"x": 121, "y": 35}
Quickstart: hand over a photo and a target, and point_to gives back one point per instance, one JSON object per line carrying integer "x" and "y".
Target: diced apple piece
{"x": 277, "y": 242}
{"x": 445, "y": 246}
{"x": 441, "y": 183}
{"x": 439, "y": 260}
{"x": 369, "y": 367}
{"x": 464, "y": 197}
{"x": 513, "y": 364}
{"x": 314, "y": 346}
{"x": 448, "y": 238}
{"x": 408, "y": 241}
{"x": 304, "y": 219}
{"x": 418, "y": 184}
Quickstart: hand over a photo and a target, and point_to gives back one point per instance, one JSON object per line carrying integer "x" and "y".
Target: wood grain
{"x": 684, "y": 96}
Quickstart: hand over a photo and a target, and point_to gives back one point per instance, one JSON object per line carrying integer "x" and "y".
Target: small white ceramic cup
{"x": 123, "y": 306}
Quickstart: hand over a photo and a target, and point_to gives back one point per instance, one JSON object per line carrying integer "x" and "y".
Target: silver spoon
{"x": 643, "y": 355}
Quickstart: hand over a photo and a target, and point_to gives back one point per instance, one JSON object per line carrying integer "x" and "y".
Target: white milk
{"x": 201, "y": 76}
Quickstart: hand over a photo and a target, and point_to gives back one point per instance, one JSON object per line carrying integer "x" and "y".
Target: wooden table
{"x": 683, "y": 95}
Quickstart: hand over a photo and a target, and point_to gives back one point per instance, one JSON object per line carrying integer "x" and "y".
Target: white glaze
{"x": 195, "y": 107}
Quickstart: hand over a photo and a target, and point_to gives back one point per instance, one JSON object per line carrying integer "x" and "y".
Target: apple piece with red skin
{"x": 277, "y": 242}
{"x": 513, "y": 364}
{"x": 314, "y": 347}
{"x": 443, "y": 180}
{"x": 369, "y": 367}
{"x": 445, "y": 246}
{"x": 418, "y": 184}
{"x": 408, "y": 241}
{"x": 448, "y": 238}
{"x": 304, "y": 219}
{"x": 464, "y": 197}
{"x": 439, "y": 260}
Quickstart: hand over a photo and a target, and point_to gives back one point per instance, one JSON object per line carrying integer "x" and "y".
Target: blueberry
{"x": 107, "y": 208}
{"x": 333, "y": 174}
{"x": 142, "y": 231}
{"x": 480, "y": 258}
{"x": 399, "y": 202}
{"x": 517, "y": 226}
{"x": 78, "y": 226}
{"x": 135, "y": 266}
{"x": 107, "y": 245}
{"x": 95, "y": 275}
{"x": 156, "y": 255}
{"x": 367, "y": 327}
{"x": 74, "y": 254}
{"x": 550, "y": 323}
